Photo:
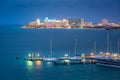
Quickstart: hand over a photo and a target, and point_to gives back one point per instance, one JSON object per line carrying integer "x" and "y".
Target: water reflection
{"x": 29, "y": 63}
{"x": 38, "y": 63}
{"x": 33, "y": 64}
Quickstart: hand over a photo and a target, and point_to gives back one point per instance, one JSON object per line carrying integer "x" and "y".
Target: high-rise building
{"x": 82, "y": 22}
{"x": 65, "y": 23}
{"x": 50, "y": 22}
{"x": 104, "y": 21}
{"x": 76, "y": 22}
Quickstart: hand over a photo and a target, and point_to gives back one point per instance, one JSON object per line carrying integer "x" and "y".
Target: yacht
{"x": 107, "y": 59}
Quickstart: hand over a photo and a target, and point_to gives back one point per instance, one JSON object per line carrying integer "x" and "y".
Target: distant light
{"x": 67, "y": 60}
{"x": 92, "y": 54}
{"x": 101, "y": 52}
{"x": 29, "y": 55}
{"x": 83, "y": 60}
{"x": 66, "y": 55}
{"x": 107, "y": 54}
{"x": 38, "y": 54}
{"x": 115, "y": 55}
{"x": 83, "y": 55}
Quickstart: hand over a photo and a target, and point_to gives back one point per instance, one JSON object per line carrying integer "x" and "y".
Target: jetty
{"x": 72, "y": 63}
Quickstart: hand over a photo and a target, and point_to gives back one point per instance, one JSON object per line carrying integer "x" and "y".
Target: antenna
{"x": 51, "y": 48}
{"x": 75, "y": 46}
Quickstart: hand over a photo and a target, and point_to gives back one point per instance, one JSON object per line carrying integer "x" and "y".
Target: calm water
{"x": 16, "y": 41}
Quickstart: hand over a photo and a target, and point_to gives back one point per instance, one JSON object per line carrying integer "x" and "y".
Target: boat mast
{"x": 108, "y": 42}
{"x": 95, "y": 46}
{"x": 118, "y": 46}
{"x": 110, "y": 49}
{"x": 51, "y": 48}
{"x": 75, "y": 46}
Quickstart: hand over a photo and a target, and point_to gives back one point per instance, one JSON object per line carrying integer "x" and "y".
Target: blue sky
{"x": 23, "y": 11}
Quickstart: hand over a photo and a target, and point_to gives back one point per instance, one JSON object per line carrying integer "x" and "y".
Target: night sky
{"x": 24, "y": 11}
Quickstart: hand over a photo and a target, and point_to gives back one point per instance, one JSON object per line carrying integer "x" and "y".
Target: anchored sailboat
{"x": 108, "y": 59}
{"x": 75, "y": 57}
{"x": 51, "y": 59}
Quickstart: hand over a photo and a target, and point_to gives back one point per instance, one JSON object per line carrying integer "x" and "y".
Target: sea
{"x": 17, "y": 41}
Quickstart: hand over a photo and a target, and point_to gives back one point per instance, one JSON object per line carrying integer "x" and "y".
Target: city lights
{"x": 71, "y": 23}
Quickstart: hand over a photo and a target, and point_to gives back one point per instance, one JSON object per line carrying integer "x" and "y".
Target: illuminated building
{"x": 82, "y": 23}
{"x": 104, "y": 22}
{"x": 65, "y": 23}
{"x": 76, "y": 22}
{"x": 88, "y": 24}
{"x": 34, "y": 23}
{"x": 50, "y": 22}
{"x": 38, "y": 21}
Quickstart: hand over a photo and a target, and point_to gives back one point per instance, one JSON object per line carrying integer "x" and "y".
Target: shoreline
{"x": 93, "y": 28}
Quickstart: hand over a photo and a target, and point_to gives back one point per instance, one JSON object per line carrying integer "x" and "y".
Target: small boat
{"x": 107, "y": 59}
{"x": 75, "y": 58}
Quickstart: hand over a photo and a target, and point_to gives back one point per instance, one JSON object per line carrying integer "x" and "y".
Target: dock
{"x": 33, "y": 59}
{"x": 72, "y": 63}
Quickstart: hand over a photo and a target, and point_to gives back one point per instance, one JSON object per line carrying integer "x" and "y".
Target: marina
{"x": 25, "y": 51}
{"x": 104, "y": 59}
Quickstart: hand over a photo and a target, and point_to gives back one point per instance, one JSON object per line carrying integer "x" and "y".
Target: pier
{"x": 33, "y": 59}
{"x": 72, "y": 63}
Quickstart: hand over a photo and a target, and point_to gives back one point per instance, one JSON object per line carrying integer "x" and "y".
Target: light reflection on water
{"x": 31, "y": 64}
{"x": 38, "y": 63}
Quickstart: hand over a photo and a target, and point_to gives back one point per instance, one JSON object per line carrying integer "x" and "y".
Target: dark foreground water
{"x": 16, "y": 41}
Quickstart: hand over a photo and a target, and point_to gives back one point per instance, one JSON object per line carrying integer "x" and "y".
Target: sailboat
{"x": 50, "y": 59}
{"x": 67, "y": 57}
{"x": 108, "y": 59}
{"x": 75, "y": 57}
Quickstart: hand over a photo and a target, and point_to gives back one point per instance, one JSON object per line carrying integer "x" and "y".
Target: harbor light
{"x": 83, "y": 55}
{"x": 101, "y": 52}
{"x": 67, "y": 60}
{"x": 107, "y": 54}
{"x": 83, "y": 60}
{"x": 66, "y": 55}
{"x": 38, "y": 55}
{"x": 92, "y": 54}
{"x": 116, "y": 56}
{"x": 29, "y": 55}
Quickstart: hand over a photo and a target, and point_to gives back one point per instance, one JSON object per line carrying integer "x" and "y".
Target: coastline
{"x": 91, "y": 28}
